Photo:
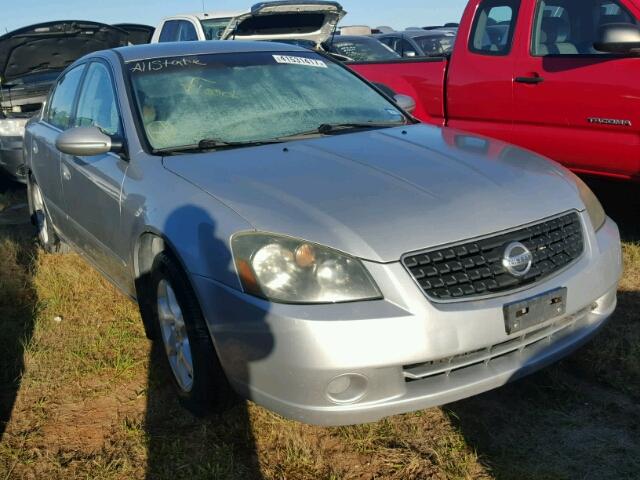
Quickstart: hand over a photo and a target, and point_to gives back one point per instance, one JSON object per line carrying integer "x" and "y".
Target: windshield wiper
{"x": 329, "y": 128}
{"x": 207, "y": 144}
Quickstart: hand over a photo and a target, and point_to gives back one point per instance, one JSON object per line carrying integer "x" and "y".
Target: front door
{"x": 92, "y": 185}
{"x": 572, "y": 103}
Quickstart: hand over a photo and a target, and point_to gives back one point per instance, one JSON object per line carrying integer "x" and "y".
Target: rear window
{"x": 214, "y": 27}
{"x": 281, "y": 23}
{"x": 493, "y": 27}
{"x": 362, "y": 50}
{"x": 61, "y": 104}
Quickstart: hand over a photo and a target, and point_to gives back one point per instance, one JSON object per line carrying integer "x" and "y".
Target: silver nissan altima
{"x": 292, "y": 236}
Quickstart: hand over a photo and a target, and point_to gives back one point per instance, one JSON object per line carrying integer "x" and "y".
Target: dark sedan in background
{"x": 421, "y": 43}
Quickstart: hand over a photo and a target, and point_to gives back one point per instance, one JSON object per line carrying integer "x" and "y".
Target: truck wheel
{"x": 47, "y": 237}
{"x": 196, "y": 371}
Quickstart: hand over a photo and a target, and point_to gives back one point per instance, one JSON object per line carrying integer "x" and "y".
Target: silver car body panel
{"x": 375, "y": 195}
{"x": 388, "y": 193}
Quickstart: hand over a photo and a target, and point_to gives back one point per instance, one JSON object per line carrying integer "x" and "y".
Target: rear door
{"x": 480, "y": 81}
{"x": 572, "y": 103}
{"x": 45, "y": 156}
{"x": 92, "y": 185}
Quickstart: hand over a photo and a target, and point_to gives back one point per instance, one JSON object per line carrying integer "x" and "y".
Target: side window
{"x": 61, "y": 105}
{"x": 564, "y": 27}
{"x": 187, "y": 32}
{"x": 214, "y": 27}
{"x": 408, "y": 50}
{"x": 97, "y": 106}
{"x": 493, "y": 27}
{"x": 394, "y": 43}
{"x": 169, "y": 31}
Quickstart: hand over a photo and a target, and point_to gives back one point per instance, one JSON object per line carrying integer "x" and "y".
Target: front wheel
{"x": 196, "y": 371}
{"x": 47, "y": 237}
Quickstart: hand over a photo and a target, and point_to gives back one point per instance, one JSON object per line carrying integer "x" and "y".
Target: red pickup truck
{"x": 553, "y": 76}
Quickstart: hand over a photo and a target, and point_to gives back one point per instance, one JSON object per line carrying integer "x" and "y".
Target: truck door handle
{"x": 529, "y": 80}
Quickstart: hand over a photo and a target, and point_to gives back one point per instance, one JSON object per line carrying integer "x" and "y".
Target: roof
{"x": 421, "y": 33}
{"x": 212, "y": 15}
{"x": 350, "y": 38}
{"x": 210, "y": 47}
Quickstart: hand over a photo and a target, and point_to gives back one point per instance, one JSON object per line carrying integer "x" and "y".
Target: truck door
{"x": 572, "y": 103}
{"x": 480, "y": 82}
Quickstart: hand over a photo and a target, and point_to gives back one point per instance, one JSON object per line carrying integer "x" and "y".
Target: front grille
{"x": 475, "y": 269}
{"x": 484, "y": 356}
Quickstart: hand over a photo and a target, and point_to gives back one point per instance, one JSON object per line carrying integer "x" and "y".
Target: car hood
{"x": 53, "y": 46}
{"x": 380, "y": 194}
{"x": 287, "y": 20}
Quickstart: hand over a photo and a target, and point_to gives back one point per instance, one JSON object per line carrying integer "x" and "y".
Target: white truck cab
{"x": 292, "y": 20}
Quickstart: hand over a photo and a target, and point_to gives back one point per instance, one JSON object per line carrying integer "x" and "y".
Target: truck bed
{"x": 422, "y": 78}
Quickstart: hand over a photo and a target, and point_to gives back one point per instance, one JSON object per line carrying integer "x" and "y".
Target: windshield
{"x": 214, "y": 27}
{"x": 250, "y": 97}
{"x": 436, "y": 45}
{"x": 362, "y": 49}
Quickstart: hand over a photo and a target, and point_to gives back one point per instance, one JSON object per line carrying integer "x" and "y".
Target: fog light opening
{"x": 594, "y": 306}
{"x": 347, "y": 388}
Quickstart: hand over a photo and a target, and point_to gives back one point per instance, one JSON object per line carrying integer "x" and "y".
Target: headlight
{"x": 12, "y": 127}
{"x": 594, "y": 207}
{"x": 287, "y": 270}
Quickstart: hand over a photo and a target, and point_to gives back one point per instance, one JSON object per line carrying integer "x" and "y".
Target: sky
{"x": 398, "y": 14}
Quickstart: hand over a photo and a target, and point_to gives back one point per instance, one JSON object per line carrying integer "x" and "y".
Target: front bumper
{"x": 12, "y": 158}
{"x": 348, "y": 363}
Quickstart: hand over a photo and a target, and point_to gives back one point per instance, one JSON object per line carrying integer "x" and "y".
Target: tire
{"x": 203, "y": 388}
{"x": 47, "y": 237}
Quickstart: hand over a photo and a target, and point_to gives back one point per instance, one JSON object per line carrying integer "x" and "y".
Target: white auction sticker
{"x": 307, "y": 62}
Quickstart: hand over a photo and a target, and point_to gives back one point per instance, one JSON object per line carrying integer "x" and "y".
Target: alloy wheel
{"x": 174, "y": 336}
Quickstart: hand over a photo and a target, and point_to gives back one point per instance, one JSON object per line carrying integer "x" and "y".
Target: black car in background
{"x": 421, "y": 43}
{"x": 31, "y": 58}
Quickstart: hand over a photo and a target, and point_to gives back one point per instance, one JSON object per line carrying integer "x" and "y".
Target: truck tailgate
{"x": 423, "y": 79}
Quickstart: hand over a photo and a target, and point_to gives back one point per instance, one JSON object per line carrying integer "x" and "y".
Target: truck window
{"x": 187, "y": 32}
{"x": 214, "y": 27}
{"x": 493, "y": 27}
{"x": 393, "y": 43}
{"x": 570, "y": 27}
{"x": 169, "y": 31}
{"x": 408, "y": 50}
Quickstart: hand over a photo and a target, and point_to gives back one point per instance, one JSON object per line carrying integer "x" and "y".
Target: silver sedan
{"x": 292, "y": 236}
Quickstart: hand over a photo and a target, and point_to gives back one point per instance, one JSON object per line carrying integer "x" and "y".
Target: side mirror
{"x": 405, "y": 102}
{"x": 87, "y": 142}
{"x": 409, "y": 53}
{"x": 621, "y": 38}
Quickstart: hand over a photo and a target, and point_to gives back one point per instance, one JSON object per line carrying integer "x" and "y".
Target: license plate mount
{"x": 524, "y": 314}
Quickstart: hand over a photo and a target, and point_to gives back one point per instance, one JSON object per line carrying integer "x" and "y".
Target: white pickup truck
{"x": 298, "y": 21}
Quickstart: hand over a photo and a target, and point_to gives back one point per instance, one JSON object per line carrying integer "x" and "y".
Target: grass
{"x": 84, "y": 395}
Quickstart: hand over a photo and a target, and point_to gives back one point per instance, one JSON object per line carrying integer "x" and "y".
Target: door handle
{"x": 529, "y": 80}
{"x": 66, "y": 173}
